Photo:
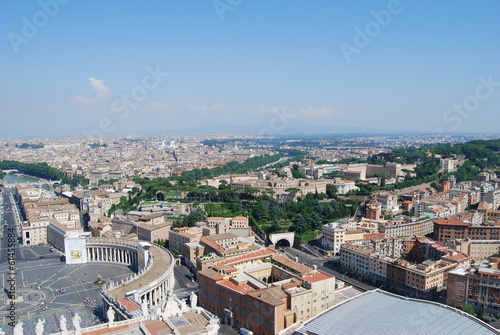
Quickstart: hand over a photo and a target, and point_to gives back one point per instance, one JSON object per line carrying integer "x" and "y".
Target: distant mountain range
{"x": 263, "y": 128}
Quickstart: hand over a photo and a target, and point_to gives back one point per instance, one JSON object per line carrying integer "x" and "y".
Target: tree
{"x": 223, "y": 184}
{"x": 275, "y": 226}
{"x": 296, "y": 173}
{"x": 292, "y": 192}
{"x": 331, "y": 190}
{"x": 196, "y": 215}
{"x": 160, "y": 196}
{"x": 382, "y": 182}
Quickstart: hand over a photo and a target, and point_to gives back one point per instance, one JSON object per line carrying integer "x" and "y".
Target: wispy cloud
{"x": 102, "y": 92}
{"x": 160, "y": 106}
{"x": 80, "y": 99}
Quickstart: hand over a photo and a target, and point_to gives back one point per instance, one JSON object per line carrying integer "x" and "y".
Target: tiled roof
{"x": 451, "y": 222}
{"x": 263, "y": 253}
{"x": 272, "y": 296}
{"x": 313, "y": 277}
{"x": 301, "y": 268}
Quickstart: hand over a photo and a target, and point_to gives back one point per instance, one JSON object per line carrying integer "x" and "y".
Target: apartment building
{"x": 398, "y": 229}
{"x": 492, "y": 197}
{"x": 422, "y": 279}
{"x": 477, "y": 287}
{"x": 373, "y": 210}
{"x": 388, "y": 201}
{"x": 448, "y": 164}
{"x": 447, "y": 229}
{"x": 334, "y": 234}
{"x": 477, "y": 250}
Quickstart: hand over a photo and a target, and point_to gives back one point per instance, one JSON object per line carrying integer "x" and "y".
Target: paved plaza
{"x": 45, "y": 285}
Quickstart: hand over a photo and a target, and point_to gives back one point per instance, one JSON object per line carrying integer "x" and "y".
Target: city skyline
{"x": 87, "y": 69}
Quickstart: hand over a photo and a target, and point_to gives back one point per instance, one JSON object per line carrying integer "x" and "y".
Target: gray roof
{"x": 379, "y": 312}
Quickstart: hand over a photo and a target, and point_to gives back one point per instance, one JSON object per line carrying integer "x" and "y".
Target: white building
{"x": 388, "y": 201}
{"x": 334, "y": 234}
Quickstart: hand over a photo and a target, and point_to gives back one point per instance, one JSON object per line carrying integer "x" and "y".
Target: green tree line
{"x": 230, "y": 168}
{"x": 40, "y": 170}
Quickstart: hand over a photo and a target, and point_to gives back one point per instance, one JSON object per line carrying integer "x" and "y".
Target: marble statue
{"x": 62, "y": 324}
{"x": 76, "y": 323}
{"x": 18, "y": 329}
{"x": 111, "y": 316}
{"x": 193, "y": 298}
{"x": 40, "y": 327}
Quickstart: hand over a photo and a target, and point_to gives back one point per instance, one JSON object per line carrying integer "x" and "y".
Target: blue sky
{"x": 242, "y": 62}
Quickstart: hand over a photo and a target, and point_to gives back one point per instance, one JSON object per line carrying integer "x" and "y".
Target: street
{"x": 310, "y": 260}
{"x": 8, "y": 220}
{"x": 183, "y": 283}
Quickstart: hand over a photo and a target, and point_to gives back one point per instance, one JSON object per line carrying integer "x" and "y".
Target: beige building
{"x": 395, "y": 229}
{"x": 477, "y": 250}
{"x": 39, "y": 214}
{"x": 152, "y": 233}
{"x": 448, "y": 164}
{"x": 351, "y": 236}
{"x": 237, "y": 226}
{"x": 179, "y": 237}
{"x": 334, "y": 234}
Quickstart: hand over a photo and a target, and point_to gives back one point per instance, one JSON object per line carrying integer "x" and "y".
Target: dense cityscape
{"x": 260, "y": 235}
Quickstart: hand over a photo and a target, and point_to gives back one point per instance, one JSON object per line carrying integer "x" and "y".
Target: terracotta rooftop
{"x": 263, "y": 253}
{"x": 116, "y": 330}
{"x": 313, "y": 277}
{"x": 451, "y": 222}
{"x": 211, "y": 273}
{"x": 457, "y": 257}
{"x": 242, "y": 289}
{"x": 272, "y": 296}
{"x": 301, "y": 268}
{"x": 129, "y": 305}
{"x": 212, "y": 244}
